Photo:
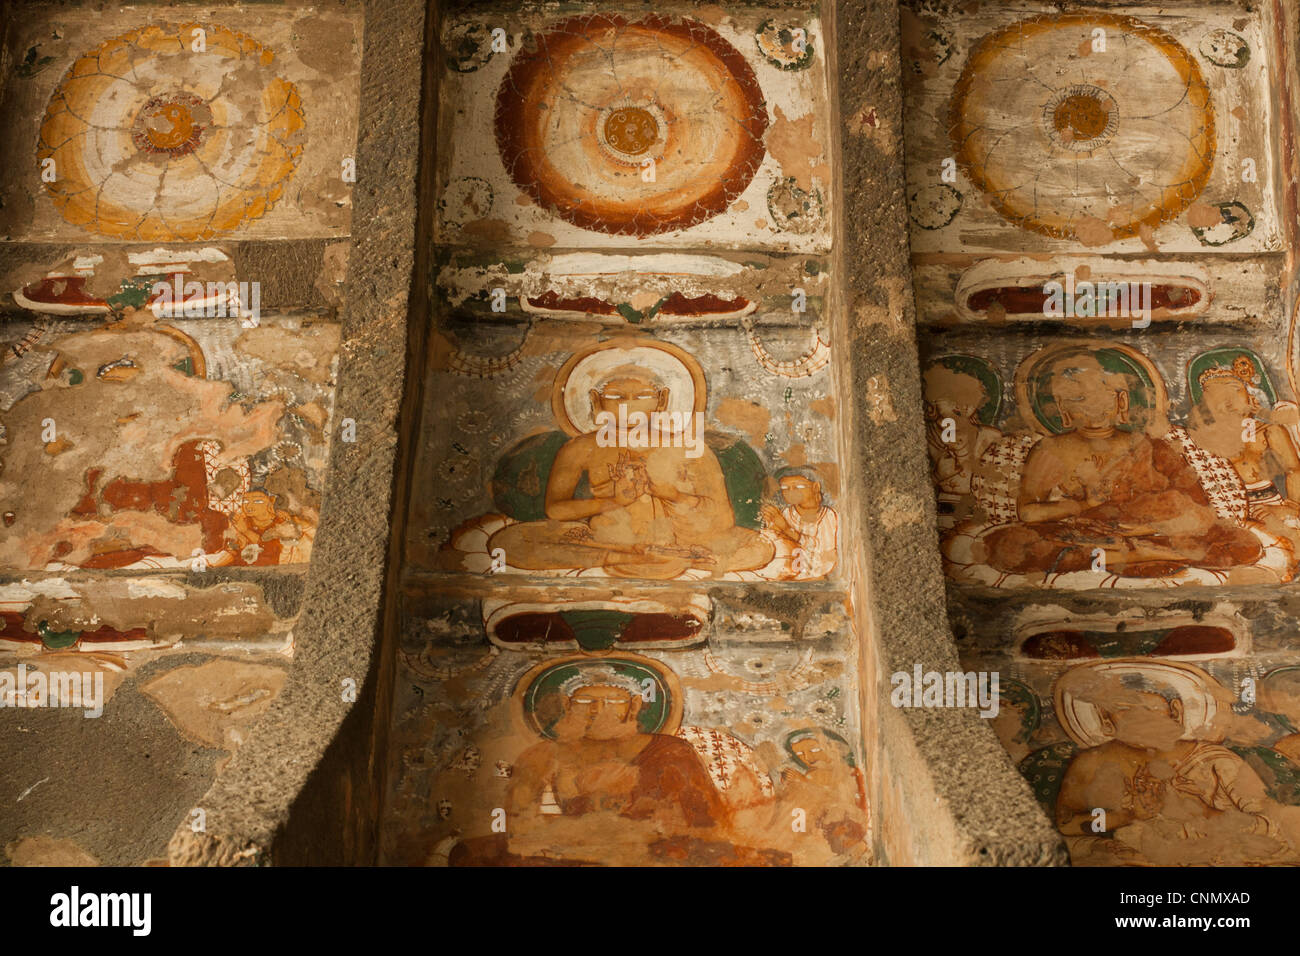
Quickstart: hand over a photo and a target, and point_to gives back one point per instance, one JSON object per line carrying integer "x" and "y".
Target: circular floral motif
{"x": 934, "y": 206}
{"x": 794, "y": 209}
{"x": 784, "y": 45}
{"x": 171, "y": 124}
{"x": 1236, "y": 223}
{"x": 287, "y": 451}
{"x": 467, "y": 47}
{"x": 1080, "y": 118}
{"x": 151, "y": 141}
{"x": 1084, "y": 147}
{"x": 630, "y": 134}
{"x": 822, "y": 710}
{"x": 474, "y": 421}
{"x": 631, "y": 127}
{"x": 1224, "y": 48}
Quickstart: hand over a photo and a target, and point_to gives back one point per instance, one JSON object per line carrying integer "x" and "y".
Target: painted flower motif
{"x": 758, "y": 719}
{"x": 716, "y": 703}
{"x": 1062, "y": 149}
{"x": 456, "y": 470}
{"x": 474, "y": 421}
{"x": 287, "y": 451}
{"x": 761, "y": 666}
{"x": 667, "y": 132}
{"x": 152, "y": 139}
{"x": 822, "y": 710}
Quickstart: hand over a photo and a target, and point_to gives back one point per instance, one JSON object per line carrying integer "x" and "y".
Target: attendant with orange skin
{"x": 808, "y": 523}
{"x": 955, "y": 437}
{"x": 264, "y": 535}
{"x": 1225, "y": 422}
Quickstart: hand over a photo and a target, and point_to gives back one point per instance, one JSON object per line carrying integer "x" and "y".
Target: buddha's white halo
{"x": 594, "y": 369}
{"x": 1082, "y": 719}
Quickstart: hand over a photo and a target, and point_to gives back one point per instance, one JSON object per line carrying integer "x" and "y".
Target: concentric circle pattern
{"x": 171, "y": 133}
{"x": 1084, "y": 126}
{"x": 631, "y": 128}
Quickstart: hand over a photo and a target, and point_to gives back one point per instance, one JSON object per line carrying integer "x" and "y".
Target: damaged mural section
{"x": 166, "y": 402}
{"x": 149, "y": 458}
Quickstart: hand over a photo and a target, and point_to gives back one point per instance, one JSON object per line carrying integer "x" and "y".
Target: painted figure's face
{"x": 812, "y": 752}
{"x": 1145, "y": 720}
{"x": 259, "y": 507}
{"x": 636, "y": 394}
{"x": 954, "y": 395}
{"x": 604, "y": 713}
{"x": 1084, "y": 399}
{"x": 1227, "y": 400}
{"x": 941, "y": 407}
{"x": 801, "y": 492}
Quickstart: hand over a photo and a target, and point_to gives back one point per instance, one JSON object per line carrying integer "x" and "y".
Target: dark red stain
{"x": 1068, "y": 644}
{"x": 181, "y": 498}
{"x": 1030, "y": 300}
{"x": 549, "y": 628}
{"x": 12, "y": 630}
{"x": 675, "y": 304}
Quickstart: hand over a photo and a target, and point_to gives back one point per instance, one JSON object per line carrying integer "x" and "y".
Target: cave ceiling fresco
{"x": 632, "y": 221}
{"x": 1093, "y": 459}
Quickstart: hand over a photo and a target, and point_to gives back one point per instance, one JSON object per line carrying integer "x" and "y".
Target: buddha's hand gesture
{"x": 630, "y": 479}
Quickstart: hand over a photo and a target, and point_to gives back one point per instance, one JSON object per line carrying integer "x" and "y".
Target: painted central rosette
{"x": 171, "y": 133}
{"x": 1085, "y": 126}
{"x": 631, "y": 128}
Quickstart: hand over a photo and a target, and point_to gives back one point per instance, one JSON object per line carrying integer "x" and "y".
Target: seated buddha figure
{"x": 657, "y": 505}
{"x": 1096, "y": 487}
